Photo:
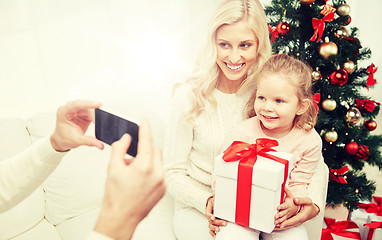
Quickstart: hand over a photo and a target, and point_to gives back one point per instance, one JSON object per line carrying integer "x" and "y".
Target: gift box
{"x": 366, "y": 210}
{"x": 373, "y": 228}
{"x": 250, "y": 183}
{"x": 339, "y": 230}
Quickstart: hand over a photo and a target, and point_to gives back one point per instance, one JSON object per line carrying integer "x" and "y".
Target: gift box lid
{"x": 266, "y": 173}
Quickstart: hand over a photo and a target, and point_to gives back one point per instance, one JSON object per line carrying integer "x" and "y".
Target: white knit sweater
{"x": 189, "y": 150}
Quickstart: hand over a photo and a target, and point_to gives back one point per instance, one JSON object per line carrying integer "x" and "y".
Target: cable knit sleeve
{"x": 176, "y": 152}
{"x": 23, "y": 173}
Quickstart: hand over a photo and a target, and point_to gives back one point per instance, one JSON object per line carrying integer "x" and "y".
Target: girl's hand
{"x": 307, "y": 211}
{"x": 213, "y": 222}
{"x": 287, "y": 209}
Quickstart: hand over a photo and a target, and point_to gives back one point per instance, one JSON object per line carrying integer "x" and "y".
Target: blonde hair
{"x": 299, "y": 75}
{"x": 204, "y": 79}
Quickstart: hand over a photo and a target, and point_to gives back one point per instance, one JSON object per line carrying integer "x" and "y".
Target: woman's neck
{"x": 228, "y": 86}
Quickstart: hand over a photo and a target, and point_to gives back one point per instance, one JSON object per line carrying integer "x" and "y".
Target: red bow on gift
{"x": 338, "y": 228}
{"x": 373, "y": 207}
{"x": 319, "y": 24}
{"x": 246, "y": 154}
{"x": 338, "y": 174}
{"x": 372, "y": 226}
{"x": 370, "y": 80}
{"x": 316, "y": 101}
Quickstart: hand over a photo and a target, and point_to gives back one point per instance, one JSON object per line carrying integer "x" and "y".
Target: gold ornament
{"x": 307, "y": 2}
{"x": 316, "y": 75}
{"x": 329, "y": 104}
{"x": 349, "y": 66}
{"x": 341, "y": 32}
{"x": 343, "y": 9}
{"x": 328, "y": 49}
{"x": 331, "y": 136}
{"x": 353, "y": 116}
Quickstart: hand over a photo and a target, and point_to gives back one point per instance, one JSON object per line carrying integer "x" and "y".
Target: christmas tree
{"x": 315, "y": 31}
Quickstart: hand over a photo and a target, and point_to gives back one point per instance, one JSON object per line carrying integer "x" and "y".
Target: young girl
{"x": 281, "y": 108}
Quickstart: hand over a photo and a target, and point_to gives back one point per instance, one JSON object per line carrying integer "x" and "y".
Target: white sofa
{"x": 67, "y": 204}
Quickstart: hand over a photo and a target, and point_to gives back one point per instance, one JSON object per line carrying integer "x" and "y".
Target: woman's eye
{"x": 223, "y": 45}
{"x": 245, "y": 45}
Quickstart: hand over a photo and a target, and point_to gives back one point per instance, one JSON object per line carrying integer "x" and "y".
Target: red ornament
{"x": 316, "y": 101}
{"x": 370, "y": 80}
{"x": 371, "y": 125}
{"x": 351, "y": 148}
{"x": 348, "y": 21}
{"x": 281, "y": 28}
{"x": 339, "y": 76}
{"x": 284, "y": 28}
{"x": 363, "y": 152}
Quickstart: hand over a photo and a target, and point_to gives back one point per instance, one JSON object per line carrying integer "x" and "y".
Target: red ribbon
{"x": 366, "y": 104}
{"x": 372, "y": 226}
{"x": 316, "y": 101}
{"x": 319, "y": 25}
{"x": 373, "y": 207}
{"x": 370, "y": 80}
{"x": 337, "y": 174}
{"x": 338, "y": 228}
{"x": 246, "y": 154}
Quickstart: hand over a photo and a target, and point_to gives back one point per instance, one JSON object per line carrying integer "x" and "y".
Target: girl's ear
{"x": 303, "y": 107}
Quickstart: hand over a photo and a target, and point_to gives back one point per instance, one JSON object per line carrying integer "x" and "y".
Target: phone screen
{"x": 110, "y": 128}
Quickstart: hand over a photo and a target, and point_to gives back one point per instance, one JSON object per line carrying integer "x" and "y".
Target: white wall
{"x": 52, "y": 51}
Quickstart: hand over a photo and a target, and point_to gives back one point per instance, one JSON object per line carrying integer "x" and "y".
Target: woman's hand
{"x": 213, "y": 222}
{"x": 308, "y": 210}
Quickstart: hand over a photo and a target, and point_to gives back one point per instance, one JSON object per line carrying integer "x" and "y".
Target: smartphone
{"x": 110, "y": 128}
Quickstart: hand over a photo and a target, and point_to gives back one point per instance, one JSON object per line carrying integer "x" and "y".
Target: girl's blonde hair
{"x": 296, "y": 73}
{"x": 204, "y": 79}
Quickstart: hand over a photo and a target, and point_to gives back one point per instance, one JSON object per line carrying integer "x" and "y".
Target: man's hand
{"x": 72, "y": 121}
{"x": 133, "y": 186}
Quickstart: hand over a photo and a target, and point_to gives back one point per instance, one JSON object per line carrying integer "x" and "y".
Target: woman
{"x": 208, "y": 105}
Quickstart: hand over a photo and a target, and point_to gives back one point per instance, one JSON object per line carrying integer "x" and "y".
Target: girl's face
{"x": 276, "y": 105}
{"x": 236, "y": 51}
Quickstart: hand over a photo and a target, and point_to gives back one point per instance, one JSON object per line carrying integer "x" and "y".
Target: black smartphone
{"x": 110, "y": 128}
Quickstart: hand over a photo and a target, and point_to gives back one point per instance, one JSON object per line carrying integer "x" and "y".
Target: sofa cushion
{"x": 42, "y": 231}
{"x": 41, "y": 125}
{"x": 14, "y": 137}
{"x": 23, "y": 216}
{"x": 77, "y": 184}
{"x": 78, "y": 228}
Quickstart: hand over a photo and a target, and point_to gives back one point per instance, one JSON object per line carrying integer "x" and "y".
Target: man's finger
{"x": 119, "y": 149}
{"x": 91, "y": 142}
{"x": 83, "y": 104}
